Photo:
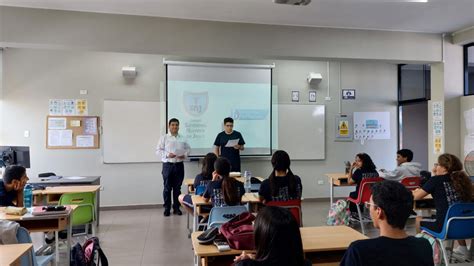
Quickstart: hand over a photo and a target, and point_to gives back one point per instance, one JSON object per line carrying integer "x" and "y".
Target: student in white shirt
{"x": 405, "y": 167}
{"x": 172, "y": 149}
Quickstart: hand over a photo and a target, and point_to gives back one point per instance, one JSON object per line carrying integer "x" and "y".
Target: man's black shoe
{"x": 177, "y": 212}
{"x": 166, "y": 213}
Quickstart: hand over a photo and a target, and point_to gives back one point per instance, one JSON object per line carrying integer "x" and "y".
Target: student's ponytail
{"x": 459, "y": 179}
{"x": 229, "y": 185}
{"x": 292, "y": 184}
{"x": 273, "y": 189}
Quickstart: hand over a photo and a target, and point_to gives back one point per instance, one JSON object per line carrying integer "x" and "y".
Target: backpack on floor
{"x": 437, "y": 254}
{"x": 87, "y": 254}
{"x": 339, "y": 213}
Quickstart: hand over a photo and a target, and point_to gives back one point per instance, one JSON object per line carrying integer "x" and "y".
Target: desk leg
{"x": 187, "y": 225}
{"x": 69, "y": 240}
{"x": 331, "y": 192}
{"x": 195, "y": 219}
{"x": 56, "y": 242}
{"x": 96, "y": 210}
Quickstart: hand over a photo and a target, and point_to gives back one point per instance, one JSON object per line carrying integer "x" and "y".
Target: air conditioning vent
{"x": 293, "y": 2}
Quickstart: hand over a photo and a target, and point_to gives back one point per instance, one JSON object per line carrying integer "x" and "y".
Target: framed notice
{"x": 344, "y": 128}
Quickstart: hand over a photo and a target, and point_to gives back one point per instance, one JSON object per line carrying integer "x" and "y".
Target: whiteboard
{"x": 131, "y": 130}
{"x": 301, "y": 131}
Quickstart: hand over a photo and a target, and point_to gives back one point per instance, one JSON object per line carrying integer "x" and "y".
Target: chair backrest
{"x": 200, "y": 190}
{"x": 365, "y": 189}
{"x": 411, "y": 182}
{"x": 221, "y": 215}
{"x": 84, "y": 213}
{"x": 23, "y": 237}
{"x": 459, "y": 222}
{"x": 294, "y": 206}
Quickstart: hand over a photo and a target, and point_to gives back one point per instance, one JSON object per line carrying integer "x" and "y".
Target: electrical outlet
{"x": 26, "y": 133}
{"x": 101, "y": 188}
{"x": 83, "y": 92}
{"x": 320, "y": 182}
{"x": 327, "y": 98}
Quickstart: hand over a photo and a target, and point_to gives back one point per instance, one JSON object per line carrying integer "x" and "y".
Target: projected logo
{"x": 195, "y": 104}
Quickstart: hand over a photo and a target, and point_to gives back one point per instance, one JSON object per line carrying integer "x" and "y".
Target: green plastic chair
{"x": 84, "y": 214}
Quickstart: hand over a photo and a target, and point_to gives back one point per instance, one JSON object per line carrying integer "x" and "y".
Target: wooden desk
{"x": 323, "y": 245}
{"x": 44, "y": 223}
{"x": 11, "y": 254}
{"x": 336, "y": 180}
{"x": 52, "y": 195}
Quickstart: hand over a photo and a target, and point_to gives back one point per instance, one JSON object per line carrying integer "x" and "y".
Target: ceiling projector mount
{"x": 293, "y": 2}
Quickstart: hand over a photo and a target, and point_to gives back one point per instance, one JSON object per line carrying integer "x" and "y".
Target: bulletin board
{"x": 72, "y": 132}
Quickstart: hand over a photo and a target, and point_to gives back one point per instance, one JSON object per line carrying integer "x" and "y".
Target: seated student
{"x": 277, "y": 240}
{"x": 390, "y": 206}
{"x": 405, "y": 167}
{"x": 201, "y": 179}
{"x": 365, "y": 168}
{"x": 223, "y": 190}
{"x": 11, "y": 187}
{"x": 282, "y": 184}
{"x": 448, "y": 185}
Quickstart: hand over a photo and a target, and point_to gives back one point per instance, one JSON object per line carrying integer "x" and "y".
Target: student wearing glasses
{"x": 448, "y": 185}
{"x": 232, "y": 153}
{"x": 390, "y": 206}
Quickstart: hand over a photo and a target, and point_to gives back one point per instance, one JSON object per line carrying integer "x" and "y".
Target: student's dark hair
{"x": 367, "y": 163}
{"x": 208, "y": 165}
{"x": 395, "y": 200}
{"x": 281, "y": 162}
{"x": 461, "y": 182}
{"x": 278, "y": 238}
{"x": 229, "y": 185}
{"x": 228, "y": 120}
{"x": 173, "y": 120}
{"x": 406, "y": 153}
{"x": 13, "y": 172}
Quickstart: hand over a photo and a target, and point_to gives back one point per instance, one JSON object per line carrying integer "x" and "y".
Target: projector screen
{"x": 201, "y": 95}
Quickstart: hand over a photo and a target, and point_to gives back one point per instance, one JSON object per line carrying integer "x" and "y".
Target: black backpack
{"x": 85, "y": 255}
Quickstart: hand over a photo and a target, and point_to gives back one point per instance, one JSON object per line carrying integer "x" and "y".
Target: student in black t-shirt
{"x": 223, "y": 190}
{"x": 365, "y": 168}
{"x": 390, "y": 206}
{"x": 11, "y": 187}
{"x": 231, "y": 153}
{"x": 282, "y": 184}
{"x": 277, "y": 240}
{"x": 449, "y": 185}
{"x": 202, "y": 179}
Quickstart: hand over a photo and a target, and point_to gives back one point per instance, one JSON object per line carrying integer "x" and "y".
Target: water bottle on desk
{"x": 28, "y": 196}
{"x": 247, "y": 184}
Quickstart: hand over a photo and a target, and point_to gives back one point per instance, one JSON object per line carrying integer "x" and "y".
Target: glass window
{"x": 469, "y": 69}
{"x": 414, "y": 82}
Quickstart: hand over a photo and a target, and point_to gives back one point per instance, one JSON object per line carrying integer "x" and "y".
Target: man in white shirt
{"x": 405, "y": 167}
{"x": 172, "y": 149}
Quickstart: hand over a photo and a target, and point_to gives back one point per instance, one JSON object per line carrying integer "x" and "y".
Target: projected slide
{"x": 202, "y": 106}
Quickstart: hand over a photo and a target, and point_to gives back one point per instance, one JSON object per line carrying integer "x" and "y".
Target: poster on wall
{"x": 344, "y": 129}
{"x": 68, "y": 107}
{"x": 437, "y": 114}
{"x": 371, "y": 125}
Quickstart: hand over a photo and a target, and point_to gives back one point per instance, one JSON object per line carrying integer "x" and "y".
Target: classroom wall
{"x": 54, "y": 29}
{"x": 32, "y": 76}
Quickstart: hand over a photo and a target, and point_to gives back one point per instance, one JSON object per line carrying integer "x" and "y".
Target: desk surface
{"x": 30, "y": 217}
{"x": 246, "y": 198}
{"x": 66, "y": 189}
{"x": 11, "y": 253}
{"x": 315, "y": 239}
{"x": 65, "y": 180}
{"x": 190, "y": 181}
{"x": 336, "y": 178}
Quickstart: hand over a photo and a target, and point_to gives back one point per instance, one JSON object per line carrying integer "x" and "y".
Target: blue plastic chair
{"x": 23, "y": 236}
{"x": 221, "y": 215}
{"x": 458, "y": 224}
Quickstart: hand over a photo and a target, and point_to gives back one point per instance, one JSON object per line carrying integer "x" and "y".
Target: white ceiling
{"x": 436, "y": 16}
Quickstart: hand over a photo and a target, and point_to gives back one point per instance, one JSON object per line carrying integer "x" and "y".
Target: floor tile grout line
{"x": 146, "y": 237}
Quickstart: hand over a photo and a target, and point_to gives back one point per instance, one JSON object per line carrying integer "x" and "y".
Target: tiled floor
{"x": 145, "y": 237}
